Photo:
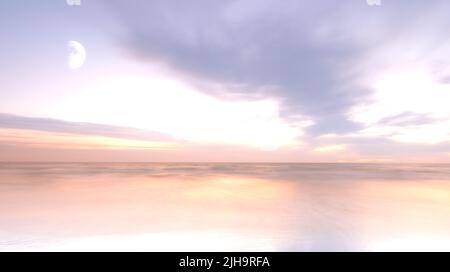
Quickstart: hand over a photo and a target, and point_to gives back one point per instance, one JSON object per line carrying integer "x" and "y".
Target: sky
{"x": 225, "y": 81}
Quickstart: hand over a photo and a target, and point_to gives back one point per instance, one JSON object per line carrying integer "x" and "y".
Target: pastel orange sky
{"x": 235, "y": 81}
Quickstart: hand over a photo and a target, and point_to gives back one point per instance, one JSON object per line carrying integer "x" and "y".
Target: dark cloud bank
{"x": 309, "y": 50}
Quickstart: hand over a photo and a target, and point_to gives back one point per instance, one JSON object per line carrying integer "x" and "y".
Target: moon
{"x": 77, "y": 54}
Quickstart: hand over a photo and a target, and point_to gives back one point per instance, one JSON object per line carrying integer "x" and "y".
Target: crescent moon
{"x": 77, "y": 55}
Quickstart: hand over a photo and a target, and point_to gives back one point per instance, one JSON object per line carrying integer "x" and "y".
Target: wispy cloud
{"x": 58, "y": 140}
{"x": 50, "y": 133}
{"x": 88, "y": 129}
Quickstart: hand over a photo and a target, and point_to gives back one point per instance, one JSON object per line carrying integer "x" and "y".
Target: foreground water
{"x": 224, "y": 207}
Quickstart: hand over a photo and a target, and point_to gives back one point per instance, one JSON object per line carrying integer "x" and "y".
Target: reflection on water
{"x": 224, "y": 207}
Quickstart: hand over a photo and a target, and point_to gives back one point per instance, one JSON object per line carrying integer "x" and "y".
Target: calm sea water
{"x": 224, "y": 207}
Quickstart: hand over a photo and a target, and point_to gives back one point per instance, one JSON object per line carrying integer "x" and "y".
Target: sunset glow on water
{"x": 224, "y": 207}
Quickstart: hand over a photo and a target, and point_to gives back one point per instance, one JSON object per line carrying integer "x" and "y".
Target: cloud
{"x": 18, "y": 131}
{"x": 407, "y": 79}
{"x": 169, "y": 105}
{"x": 316, "y": 55}
{"x": 54, "y": 125}
{"x": 297, "y": 46}
{"x": 58, "y": 140}
{"x": 408, "y": 105}
{"x": 258, "y": 73}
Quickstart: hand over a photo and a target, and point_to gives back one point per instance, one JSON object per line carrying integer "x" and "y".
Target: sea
{"x": 287, "y": 207}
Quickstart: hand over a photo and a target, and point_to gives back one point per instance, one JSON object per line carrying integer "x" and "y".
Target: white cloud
{"x": 408, "y": 105}
{"x": 166, "y": 104}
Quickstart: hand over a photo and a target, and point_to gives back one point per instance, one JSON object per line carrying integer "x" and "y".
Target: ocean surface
{"x": 224, "y": 207}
